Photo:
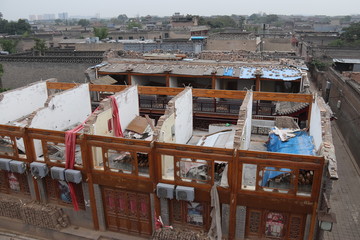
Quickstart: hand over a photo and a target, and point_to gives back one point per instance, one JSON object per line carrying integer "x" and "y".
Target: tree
{"x": 351, "y": 33}
{"x": 133, "y": 24}
{"x": 40, "y": 45}
{"x": 84, "y": 23}
{"x": 271, "y": 18}
{"x": 8, "y": 45}
{"x": 122, "y": 18}
{"x": 11, "y": 28}
{"x": 101, "y": 33}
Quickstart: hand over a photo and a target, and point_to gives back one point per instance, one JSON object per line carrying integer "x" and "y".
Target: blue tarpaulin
{"x": 302, "y": 144}
{"x": 228, "y": 71}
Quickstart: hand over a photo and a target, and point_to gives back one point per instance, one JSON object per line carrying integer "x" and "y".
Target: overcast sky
{"x": 15, "y": 9}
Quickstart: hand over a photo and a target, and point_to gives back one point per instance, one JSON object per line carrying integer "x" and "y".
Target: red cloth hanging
{"x": 116, "y": 118}
{"x": 70, "y": 146}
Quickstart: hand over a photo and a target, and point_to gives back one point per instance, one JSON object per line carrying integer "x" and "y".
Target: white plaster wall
{"x": 128, "y": 104}
{"x": 173, "y": 82}
{"x": 135, "y": 80}
{"x": 62, "y": 111}
{"x": 248, "y": 120}
{"x": 184, "y": 117}
{"x": 21, "y": 102}
{"x": 315, "y": 124}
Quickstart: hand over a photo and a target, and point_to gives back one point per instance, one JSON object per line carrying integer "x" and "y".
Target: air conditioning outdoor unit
{"x": 17, "y": 166}
{"x": 57, "y": 173}
{"x": 38, "y": 170}
{"x": 73, "y": 176}
{"x": 185, "y": 193}
{"x": 165, "y": 190}
{"x": 5, "y": 164}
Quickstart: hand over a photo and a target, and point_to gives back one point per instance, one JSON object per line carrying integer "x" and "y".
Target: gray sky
{"x": 15, "y": 9}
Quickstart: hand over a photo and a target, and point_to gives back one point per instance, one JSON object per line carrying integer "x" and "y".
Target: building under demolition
{"x": 108, "y": 159}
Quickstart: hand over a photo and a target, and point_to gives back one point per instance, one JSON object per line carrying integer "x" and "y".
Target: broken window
{"x": 195, "y": 213}
{"x": 20, "y": 148}
{"x": 221, "y": 173}
{"x": 120, "y": 161}
{"x": 305, "y": 181}
{"x": 276, "y": 179}
{"x": 167, "y": 167}
{"x": 143, "y": 164}
{"x": 55, "y": 152}
{"x": 193, "y": 170}
{"x": 6, "y": 146}
{"x": 275, "y": 225}
{"x": 98, "y": 159}
{"x": 248, "y": 177}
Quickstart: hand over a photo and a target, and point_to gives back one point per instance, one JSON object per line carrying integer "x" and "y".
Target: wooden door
{"x": 127, "y": 211}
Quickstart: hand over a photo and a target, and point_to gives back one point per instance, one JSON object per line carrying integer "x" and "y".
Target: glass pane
{"x": 275, "y": 225}
{"x": 14, "y": 183}
{"x": 221, "y": 174}
{"x": 6, "y": 146}
{"x": 143, "y": 164}
{"x": 305, "y": 182}
{"x": 56, "y": 152}
{"x": 277, "y": 179}
{"x": 98, "y": 158}
{"x": 195, "y": 213}
{"x": 21, "y": 148}
{"x": 167, "y": 167}
{"x": 120, "y": 161}
{"x": 64, "y": 192}
{"x": 249, "y": 176}
{"x": 194, "y": 170}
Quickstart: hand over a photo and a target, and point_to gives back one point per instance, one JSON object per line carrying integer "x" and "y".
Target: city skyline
{"x": 112, "y": 8}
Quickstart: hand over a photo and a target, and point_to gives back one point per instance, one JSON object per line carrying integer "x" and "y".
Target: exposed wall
{"x": 128, "y": 104}
{"x": 315, "y": 124}
{"x": 25, "y": 100}
{"x": 228, "y": 45}
{"x": 243, "y": 128}
{"x": 183, "y": 116}
{"x": 62, "y": 110}
{"x": 166, "y": 130}
{"x": 19, "y": 74}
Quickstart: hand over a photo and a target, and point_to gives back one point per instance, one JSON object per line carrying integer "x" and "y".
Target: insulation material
{"x": 299, "y": 143}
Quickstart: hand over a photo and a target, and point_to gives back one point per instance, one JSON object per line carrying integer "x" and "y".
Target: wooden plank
{"x": 286, "y": 97}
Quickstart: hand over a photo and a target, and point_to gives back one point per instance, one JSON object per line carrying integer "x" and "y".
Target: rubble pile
{"x": 10, "y": 208}
{"x": 44, "y": 216}
{"x": 33, "y": 213}
{"x": 178, "y": 234}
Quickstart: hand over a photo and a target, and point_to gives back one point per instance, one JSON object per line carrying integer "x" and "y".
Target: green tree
{"x": 271, "y": 18}
{"x": 101, "y": 33}
{"x": 218, "y": 22}
{"x": 133, "y": 24}
{"x": 122, "y": 18}
{"x": 40, "y": 45}
{"x": 84, "y": 23}
{"x": 8, "y": 45}
{"x": 351, "y": 33}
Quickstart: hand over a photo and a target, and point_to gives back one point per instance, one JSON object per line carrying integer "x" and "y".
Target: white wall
{"x": 128, "y": 104}
{"x": 166, "y": 129}
{"x": 248, "y": 120}
{"x": 246, "y": 131}
{"x": 315, "y": 124}
{"x": 62, "y": 111}
{"x": 20, "y": 102}
{"x": 184, "y": 116}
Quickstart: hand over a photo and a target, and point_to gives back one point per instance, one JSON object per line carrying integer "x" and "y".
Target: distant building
{"x": 63, "y": 16}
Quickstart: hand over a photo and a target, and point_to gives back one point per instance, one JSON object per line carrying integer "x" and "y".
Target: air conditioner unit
{"x": 5, "y": 164}
{"x": 185, "y": 193}
{"x": 38, "y": 170}
{"x": 57, "y": 173}
{"x": 165, "y": 190}
{"x": 17, "y": 166}
{"x": 73, "y": 176}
